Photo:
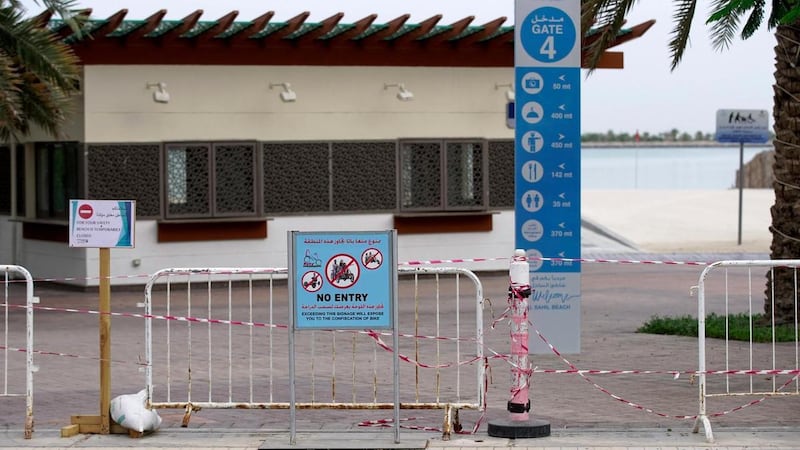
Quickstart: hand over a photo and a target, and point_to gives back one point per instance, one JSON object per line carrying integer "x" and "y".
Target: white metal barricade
{"x": 218, "y": 338}
{"x": 735, "y": 368}
{"x": 18, "y": 337}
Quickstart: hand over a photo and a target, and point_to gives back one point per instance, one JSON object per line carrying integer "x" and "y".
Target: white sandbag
{"x": 130, "y": 411}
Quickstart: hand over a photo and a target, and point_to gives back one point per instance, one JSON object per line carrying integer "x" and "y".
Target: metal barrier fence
{"x": 18, "y": 338}
{"x": 728, "y": 287}
{"x": 223, "y": 343}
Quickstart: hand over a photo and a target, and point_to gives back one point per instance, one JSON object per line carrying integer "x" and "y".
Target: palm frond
{"x": 754, "y": 21}
{"x": 724, "y": 22}
{"x": 10, "y": 101}
{"x": 38, "y": 75}
{"x": 609, "y": 17}
{"x": 684, "y": 13}
{"x": 789, "y": 14}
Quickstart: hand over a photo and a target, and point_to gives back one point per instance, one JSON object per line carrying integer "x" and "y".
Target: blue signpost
{"x": 547, "y": 161}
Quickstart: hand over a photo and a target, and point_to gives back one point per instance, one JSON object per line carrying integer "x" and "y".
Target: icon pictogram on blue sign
{"x": 532, "y": 83}
{"x": 548, "y": 34}
{"x": 532, "y": 141}
{"x": 532, "y": 201}
{"x": 532, "y": 171}
{"x": 532, "y": 112}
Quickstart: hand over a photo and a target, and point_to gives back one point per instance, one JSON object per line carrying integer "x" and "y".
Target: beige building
{"x": 228, "y": 134}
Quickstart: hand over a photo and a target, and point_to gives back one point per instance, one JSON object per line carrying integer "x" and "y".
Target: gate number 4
{"x": 548, "y": 47}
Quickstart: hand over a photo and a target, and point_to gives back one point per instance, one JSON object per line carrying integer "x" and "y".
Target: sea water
{"x": 663, "y": 167}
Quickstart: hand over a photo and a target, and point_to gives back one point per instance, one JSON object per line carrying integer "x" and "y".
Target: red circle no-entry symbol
{"x": 85, "y": 211}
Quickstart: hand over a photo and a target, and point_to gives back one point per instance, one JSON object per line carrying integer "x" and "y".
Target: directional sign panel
{"x": 547, "y": 148}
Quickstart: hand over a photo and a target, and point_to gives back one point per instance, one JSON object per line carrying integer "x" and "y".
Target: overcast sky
{"x": 644, "y": 96}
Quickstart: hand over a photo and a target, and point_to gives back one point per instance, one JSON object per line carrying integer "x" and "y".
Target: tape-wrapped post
{"x": 519, "y": 423}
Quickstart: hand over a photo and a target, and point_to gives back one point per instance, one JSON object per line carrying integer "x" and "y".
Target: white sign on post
{"x": 102, "y": 223}
{"x": 743, "y": 125}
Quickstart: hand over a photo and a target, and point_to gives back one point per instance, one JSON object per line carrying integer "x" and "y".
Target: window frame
{"x": 212, "y": 212}
{"x": 46, "y": 189}
{"x": 444, "y": 177}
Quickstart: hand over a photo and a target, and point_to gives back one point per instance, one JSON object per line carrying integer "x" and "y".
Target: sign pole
{"x": 741, "y": 187}
{"x": 105, "y": 340}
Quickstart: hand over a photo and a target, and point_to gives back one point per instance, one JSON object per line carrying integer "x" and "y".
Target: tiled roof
{"x": 190, "y": 40}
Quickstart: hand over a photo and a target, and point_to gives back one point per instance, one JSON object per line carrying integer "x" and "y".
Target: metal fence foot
{"x": 448, "y": 416}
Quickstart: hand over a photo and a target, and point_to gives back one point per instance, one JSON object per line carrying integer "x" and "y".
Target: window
{"x": 57, "y": 178}
{"x": 443, "y": 175}
{"x": 126, "y": 171}
{"x": 501, "y": 174}
{"x": 325, "y": 177}
{"x": 5, "y": 180}
{"x": 206, "y": 180}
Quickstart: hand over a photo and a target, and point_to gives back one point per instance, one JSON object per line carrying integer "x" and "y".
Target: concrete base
{"x": 512, "y": 429}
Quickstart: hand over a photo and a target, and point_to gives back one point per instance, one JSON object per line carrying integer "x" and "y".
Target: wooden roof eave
{"x": 43, "y": 19}
{"x": 487, "y": 30}
{"x": 222, "y": 24}
{"x": 253, "y": 28}
{"x": 111, "y": 24}
{"x": 633, "y": 33}
{"x": 324, "y": 27}
{"x": 64, "y": 31}
{"x": 186, "y": 24}
{"x": 289, "y": 27}
{"x": 609, "y": 59}
{"x": 415, "y": 33}
{"x": 358, "y": 28}
{"x": 454, "y": 30}
{"x": 389, "y": 29}
{"x": 149, "y": 24}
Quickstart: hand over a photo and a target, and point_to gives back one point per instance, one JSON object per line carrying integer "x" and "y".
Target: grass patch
{"x": 738, "y": 327}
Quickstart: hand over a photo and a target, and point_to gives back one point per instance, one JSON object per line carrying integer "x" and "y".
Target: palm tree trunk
{"x": 786, "y": 210}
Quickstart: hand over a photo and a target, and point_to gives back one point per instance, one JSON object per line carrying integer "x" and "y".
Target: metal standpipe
{"x": 519, "y": 424}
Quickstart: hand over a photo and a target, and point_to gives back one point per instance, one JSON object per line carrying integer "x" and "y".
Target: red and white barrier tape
{"x": 649, "y": 410}
{"x": 68, "y": 355}
{"x": 577, "y": 260}
{"x": 387, "y": 423}
{"x": 430, "y": 262}
{"x": 376, "y": 335}
{"x": 379, "y": 341}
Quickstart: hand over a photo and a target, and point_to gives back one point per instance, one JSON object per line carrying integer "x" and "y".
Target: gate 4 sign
{"x": 548, "y": 34}
{"x": 547, "y": 60}
{"x": 353, "y": 289}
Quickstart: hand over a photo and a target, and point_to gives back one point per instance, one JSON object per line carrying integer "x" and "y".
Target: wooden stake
{"x": 105, "y": 340}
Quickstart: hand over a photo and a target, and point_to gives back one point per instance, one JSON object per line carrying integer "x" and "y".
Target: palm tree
{"x": 727, "y": 19}
{"x": 39, "y": 73}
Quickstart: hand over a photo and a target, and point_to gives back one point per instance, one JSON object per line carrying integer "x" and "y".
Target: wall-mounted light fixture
{"x": 160, "y": 95}
{"x": 403, "y": 94}
{"x": 510, "y": 96}
{"x": 287, "y": 95}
